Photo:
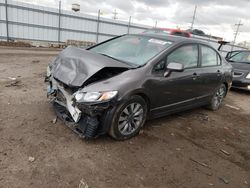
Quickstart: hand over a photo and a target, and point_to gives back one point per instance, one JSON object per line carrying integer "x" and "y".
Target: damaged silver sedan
{"x": 114, "y": 86}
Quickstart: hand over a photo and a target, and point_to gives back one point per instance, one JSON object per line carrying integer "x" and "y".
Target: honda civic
{"x": 115, "y": 86}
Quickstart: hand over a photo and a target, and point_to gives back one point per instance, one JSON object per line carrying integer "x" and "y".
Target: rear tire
{"x": 218, "y": 98}
{"x": 128, "y": 118}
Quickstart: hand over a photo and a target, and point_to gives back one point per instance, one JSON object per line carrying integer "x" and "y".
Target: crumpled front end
{"x": 87, "y": 120}
{"x": 69, "y": 75}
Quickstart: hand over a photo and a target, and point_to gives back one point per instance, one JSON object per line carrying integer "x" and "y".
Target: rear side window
{"x": 209, "y": 57}
{"x": 186, "y": 55}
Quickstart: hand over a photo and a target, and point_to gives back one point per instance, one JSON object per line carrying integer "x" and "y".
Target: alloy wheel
{"x": 130, "y": 118}
{"x": 219, "y": 96}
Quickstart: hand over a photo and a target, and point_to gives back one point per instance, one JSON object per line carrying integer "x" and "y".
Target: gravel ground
{"x": 197, "y": 148}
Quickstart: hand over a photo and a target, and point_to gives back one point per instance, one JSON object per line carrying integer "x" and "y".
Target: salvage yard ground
{"x": 197, "y": 149}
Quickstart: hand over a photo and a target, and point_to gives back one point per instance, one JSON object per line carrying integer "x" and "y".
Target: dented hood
{"x": 74, "y": 66}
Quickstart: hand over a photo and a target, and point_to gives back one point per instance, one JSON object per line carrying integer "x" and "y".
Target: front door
{"x": 179, "y": 89}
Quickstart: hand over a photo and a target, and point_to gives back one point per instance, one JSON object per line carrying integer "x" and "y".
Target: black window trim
{"x": 160, "y": 71}
{"x": 220, "y": 60}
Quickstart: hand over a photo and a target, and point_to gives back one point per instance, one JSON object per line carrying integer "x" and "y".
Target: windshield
{"x": 135, "y": 50}
{"x": 240, "y": 56}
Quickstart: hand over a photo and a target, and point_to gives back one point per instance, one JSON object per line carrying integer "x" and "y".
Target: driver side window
{"x": 186, "y": 55}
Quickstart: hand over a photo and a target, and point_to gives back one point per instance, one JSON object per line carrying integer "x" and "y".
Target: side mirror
{"x": 177, "y": 67}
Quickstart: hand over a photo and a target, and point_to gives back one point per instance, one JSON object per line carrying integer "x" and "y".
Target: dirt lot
{"x": 197, "y": 149}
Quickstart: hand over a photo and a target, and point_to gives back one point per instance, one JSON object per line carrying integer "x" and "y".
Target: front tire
{"x": 128, "y": 118}
{"x": 218, "y": 98}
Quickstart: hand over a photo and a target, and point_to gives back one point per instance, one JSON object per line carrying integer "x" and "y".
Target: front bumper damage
{"x": 86, "y": 120}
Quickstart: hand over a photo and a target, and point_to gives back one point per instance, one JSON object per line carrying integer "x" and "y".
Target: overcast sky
{"x": 216, "y": 17}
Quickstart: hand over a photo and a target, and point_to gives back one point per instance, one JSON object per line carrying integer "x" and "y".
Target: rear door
{"x": 210, "y": 71}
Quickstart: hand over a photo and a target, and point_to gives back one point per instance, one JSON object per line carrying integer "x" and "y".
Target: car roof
{"x": 172, "y": 38}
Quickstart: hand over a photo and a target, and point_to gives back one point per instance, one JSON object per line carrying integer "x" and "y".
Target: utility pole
{"x": 115, "y": 15}
{"x": 194, "y": 15}
{"x": 59, "y": 22}
{"x": 236, "y": 33}
{"x": 129, "y": 22}
{"x": 97, "y": 27}
{"x": 7, "y": 21}
{"x": 155, "y": 23}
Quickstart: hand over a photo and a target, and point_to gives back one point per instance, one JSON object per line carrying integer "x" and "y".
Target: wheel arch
{"x": 127, "y": 100}
{"x": 143, "y": 95}
{"x": 107, "y": 118}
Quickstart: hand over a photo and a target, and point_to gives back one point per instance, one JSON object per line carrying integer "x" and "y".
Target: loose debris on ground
{"x": 35, "y": 61}
{"x": 13, "y": 83}
{"x": 200, "y": 163}
{"x": 54, "y": 120}
{"x": 224, "y": 151}
{"x": 233, "y": 107}
{"x": 31, "y": 159}
{"x": 224, "y": 180}
{"x": 83, "y": 184}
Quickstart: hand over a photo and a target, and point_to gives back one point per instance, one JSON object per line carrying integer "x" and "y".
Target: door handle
{"x": 195, "y": 76}
{"x": 219, "y": 73}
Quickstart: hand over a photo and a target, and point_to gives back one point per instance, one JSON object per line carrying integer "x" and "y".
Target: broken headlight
{"x": 94, "y": 96}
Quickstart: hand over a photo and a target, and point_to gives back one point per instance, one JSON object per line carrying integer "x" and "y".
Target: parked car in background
{"x": 240, "y": 60}
{"x": 115, "y": 86}
{"x": 168, "y": 31}
{"x": 196, "y": 32}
